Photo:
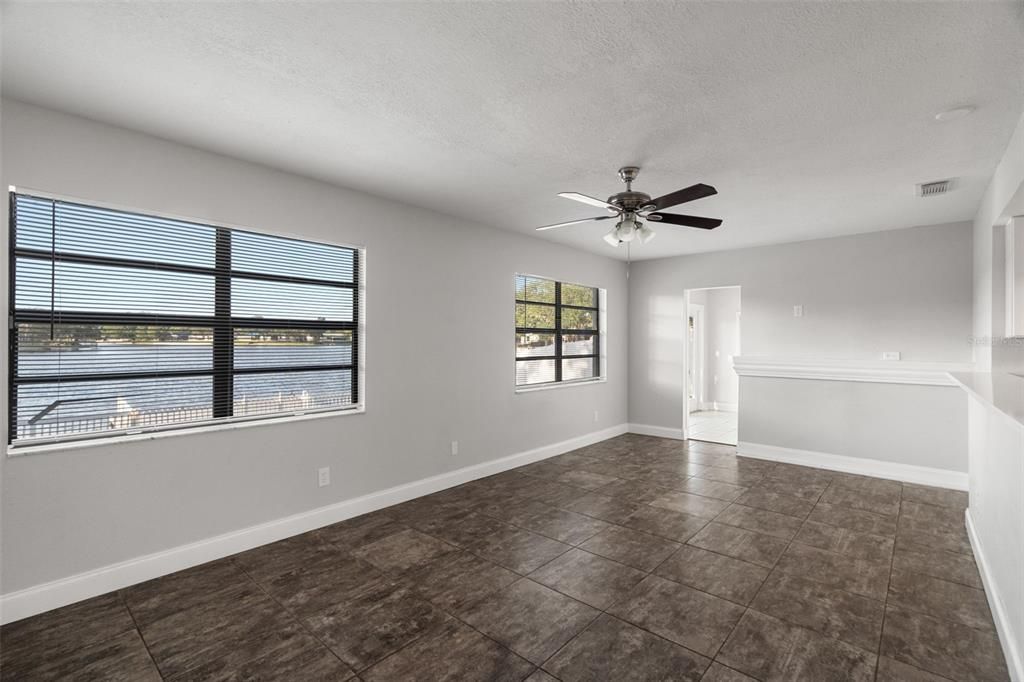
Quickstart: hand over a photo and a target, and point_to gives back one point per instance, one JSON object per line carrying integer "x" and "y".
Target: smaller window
{"x": 558, "y": 332}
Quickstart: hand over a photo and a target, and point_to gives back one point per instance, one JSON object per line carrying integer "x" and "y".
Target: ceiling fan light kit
{"x": 645, "y": 234}
{"x": 630, "y": 207}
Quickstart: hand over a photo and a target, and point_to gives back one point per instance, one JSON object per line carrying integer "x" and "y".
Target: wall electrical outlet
{"x": 798, "y": 311}
{"x": 455, "y": 447}
{"x": 323, "y": 476}
{"x": 891, "y": 355}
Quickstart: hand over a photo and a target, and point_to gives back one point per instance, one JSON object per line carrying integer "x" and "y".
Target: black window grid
{"x": 559, "y": 332}
{"x": 221, "y": 323}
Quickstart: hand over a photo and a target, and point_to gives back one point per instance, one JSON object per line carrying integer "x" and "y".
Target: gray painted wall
{"x": 904, "y": 290}
{"x": 918, "y": 425}
{"x": 76, "y": 510}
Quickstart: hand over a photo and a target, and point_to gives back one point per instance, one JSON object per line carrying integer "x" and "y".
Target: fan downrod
{"x": 629, "y": 200}
{"x": 628, "y": 175}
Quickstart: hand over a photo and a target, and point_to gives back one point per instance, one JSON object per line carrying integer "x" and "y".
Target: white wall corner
{"x": 908, "y": 473}
{"x": 47, "y": 596}
{"x": 1010, "y": 640}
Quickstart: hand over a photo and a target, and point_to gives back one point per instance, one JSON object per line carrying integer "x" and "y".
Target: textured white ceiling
{"x": 812, "y": 119}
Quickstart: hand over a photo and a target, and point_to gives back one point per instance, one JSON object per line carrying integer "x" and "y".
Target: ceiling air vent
{"x": 931, "y": 189}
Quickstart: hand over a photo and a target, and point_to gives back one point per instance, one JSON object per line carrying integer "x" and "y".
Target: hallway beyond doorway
{"x": 715, "y": 426}
{"x": 711, "y": 343}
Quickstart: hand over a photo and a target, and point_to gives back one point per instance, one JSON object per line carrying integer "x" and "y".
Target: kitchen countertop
{"x": 1001, "y": 390}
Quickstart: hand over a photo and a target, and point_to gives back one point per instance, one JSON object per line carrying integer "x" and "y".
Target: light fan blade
{"x": 576, "y": 196}
{"x": 574, "y": 222}
{"x": 685, "y": 220}
{"x": 691, "y": 193}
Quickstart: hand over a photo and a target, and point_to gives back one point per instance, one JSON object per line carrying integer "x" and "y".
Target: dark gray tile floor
{"x": 637, "y": 558}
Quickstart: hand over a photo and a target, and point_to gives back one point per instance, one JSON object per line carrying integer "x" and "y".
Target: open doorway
{"x": 711, "y": 410}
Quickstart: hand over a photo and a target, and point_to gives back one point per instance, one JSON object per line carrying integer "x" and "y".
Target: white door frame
{"x": 686, "y": 348}
{"x": 700, "y": 336}
{"x": 698, "y": 375}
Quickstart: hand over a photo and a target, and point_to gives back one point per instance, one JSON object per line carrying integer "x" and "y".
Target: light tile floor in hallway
{"x": 637, "y": 558}
{"x": 716, "y": 426}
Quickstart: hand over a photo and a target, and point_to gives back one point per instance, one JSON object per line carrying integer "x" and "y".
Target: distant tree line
{"x": 40, "y": 336}
{"x": 542, "y": 316}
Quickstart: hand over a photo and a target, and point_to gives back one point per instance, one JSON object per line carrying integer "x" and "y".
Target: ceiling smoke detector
{"x": 931, "y": 189}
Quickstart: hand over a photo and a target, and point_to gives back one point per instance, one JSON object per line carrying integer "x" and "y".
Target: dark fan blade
{"x": 576, "y": 196}
{"x": 691, "y": 193}
{"x": 573, "y": 222}
{"x": 685, "y": 220}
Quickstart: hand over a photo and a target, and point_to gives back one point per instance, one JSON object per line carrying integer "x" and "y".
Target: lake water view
{"x": 101, "y": 405}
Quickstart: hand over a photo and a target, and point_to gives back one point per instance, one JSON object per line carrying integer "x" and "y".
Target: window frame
{"x": 598, "y": 333}
{"x": 221, "y": 323}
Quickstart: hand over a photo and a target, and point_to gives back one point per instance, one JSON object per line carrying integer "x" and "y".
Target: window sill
{"x": 559, "y": 384}
{"x": 13, "y": 451}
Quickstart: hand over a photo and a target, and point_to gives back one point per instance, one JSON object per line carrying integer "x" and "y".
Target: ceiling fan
{"x": 630, "y": 208}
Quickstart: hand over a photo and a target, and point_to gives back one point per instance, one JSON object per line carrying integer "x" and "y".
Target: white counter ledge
{"x": 999, "y": 390}
{"x": 995, "y": 513}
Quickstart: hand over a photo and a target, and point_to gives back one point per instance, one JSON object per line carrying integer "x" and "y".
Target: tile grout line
{"x": 892, "y": 559}
{"x": 748, "y": 608}
{"x": 774, "y": 569}
{"x": 294, "y": 616}
{"x": 472, "y": 509}
{"x": 790, "y": 544}
{"x": 524, "y": 576}
{"x": 884, "y": 601}
{"x": 649, "y": 573}
{"x": 453, "y": 615}
{"x": 885, "y": 612}
{"x": 138, "y": 630}
{"x": 651, "y": 457}
{"x": 604, "y": 611}
{"x": 915, "y": 610}
{"x": 888, "y": 586}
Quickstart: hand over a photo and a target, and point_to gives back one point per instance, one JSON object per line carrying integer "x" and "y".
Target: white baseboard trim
{"x": 660, "y": 431}
{"x": 908, "y": 473}
{"x": 1004, "y": 628}
{"x": 39, "y": 598}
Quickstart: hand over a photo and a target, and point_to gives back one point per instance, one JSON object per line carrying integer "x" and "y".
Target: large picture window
{"x": 124, "y": 323}
{"x": 557, "y": 331}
